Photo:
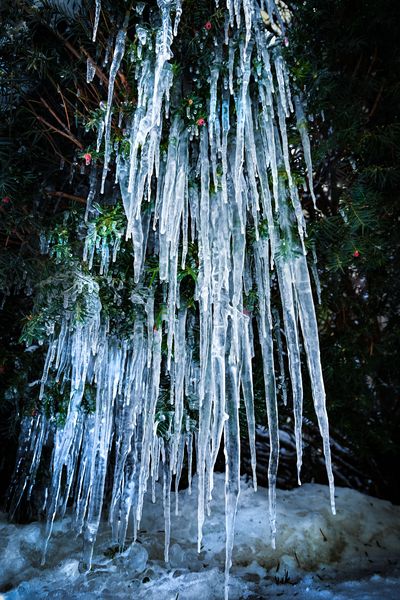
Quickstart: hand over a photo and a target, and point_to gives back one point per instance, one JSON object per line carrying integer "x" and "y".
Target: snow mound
{"x": 355, "y": 554}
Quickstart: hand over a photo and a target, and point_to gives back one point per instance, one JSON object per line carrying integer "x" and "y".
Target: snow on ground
{"x": 353, "y": 555}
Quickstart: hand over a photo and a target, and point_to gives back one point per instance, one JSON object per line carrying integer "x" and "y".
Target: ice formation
{"x": 225, "y": 184}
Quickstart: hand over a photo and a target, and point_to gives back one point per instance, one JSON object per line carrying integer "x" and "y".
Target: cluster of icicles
{"x": 206, "y": 188}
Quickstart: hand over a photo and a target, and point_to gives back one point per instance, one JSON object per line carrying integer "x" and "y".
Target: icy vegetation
{"x": 225, "y": 184}
{"x": 354, "y": 555}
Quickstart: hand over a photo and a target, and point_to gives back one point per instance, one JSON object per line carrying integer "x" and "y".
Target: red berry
{"x": 356, "y": 253}
{"x": 6, "y": 200}
{"x": 208, "y": 25}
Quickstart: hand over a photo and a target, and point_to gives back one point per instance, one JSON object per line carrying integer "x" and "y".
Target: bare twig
{"x": 70, "y": 136}
{"x": 65, "y": 107}
{"x": 57, "y": 118}
{"x": 68, "y": 196}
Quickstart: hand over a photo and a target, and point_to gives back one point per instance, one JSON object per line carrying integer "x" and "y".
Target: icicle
{"x": 265, "y": 331}
{"x": 90, "y": 70}
{"x": 178, "y": 14}
{"x": 32, "y": 436}
{"x": 292, "y": 340}
{"x": 314, "y": 270}
{"x": 309, "y": 328}
{"x": 167, "y": 501}
{"x": 248, "y": 8}
{"x": 305, "y": 140}
{"x": 179, "y": 465}
{"x": 232, "y": 449}
{"x": 116, "y": 62}
{"x": 247, "y": 390}
{"x": 278, "y": 337}
{"x": 190, "y": 460}
{"x": 92, "y": 190}
{"x": 96, "y": 19}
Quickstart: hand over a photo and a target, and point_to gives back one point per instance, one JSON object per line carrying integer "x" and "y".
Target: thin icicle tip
{"x": 96, "y": 19}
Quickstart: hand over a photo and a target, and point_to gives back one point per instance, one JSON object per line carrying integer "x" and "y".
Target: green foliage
{"x": 345, "y": 60}
{"x": 67, "y": 291}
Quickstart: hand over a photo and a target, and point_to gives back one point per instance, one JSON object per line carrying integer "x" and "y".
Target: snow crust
{"x": 353, "y": 555}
